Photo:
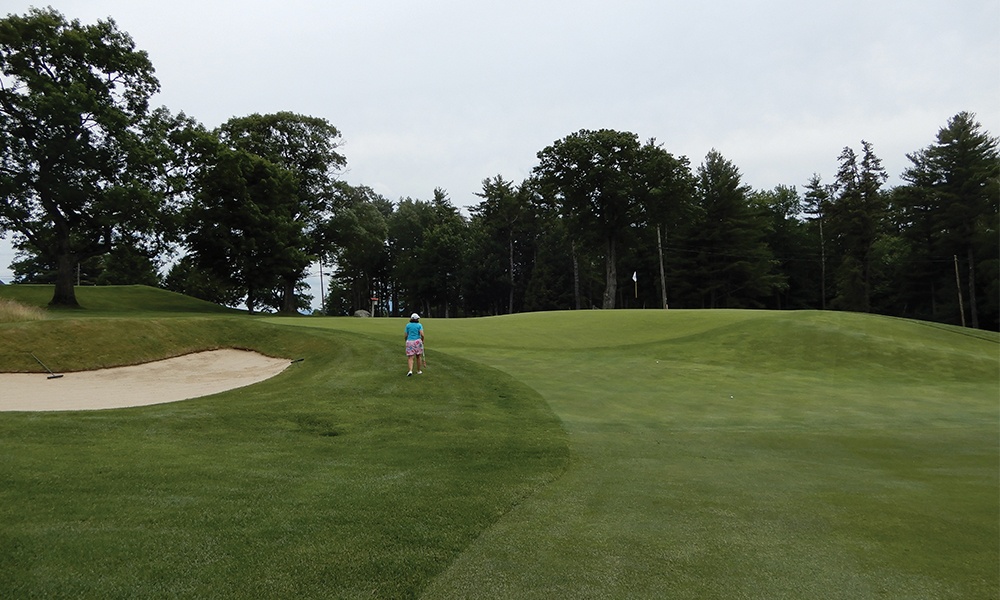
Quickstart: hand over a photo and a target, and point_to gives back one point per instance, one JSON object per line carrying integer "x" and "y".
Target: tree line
{"x": 97, "y": 187}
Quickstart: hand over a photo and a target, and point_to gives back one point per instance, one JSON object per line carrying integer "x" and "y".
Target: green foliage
{"x": 96, "y": 188}
{"x": 594, "y": 177}
{"x": 951, "y": 208}
{"x": 551, "y": 285}
{"x": 357, "y": 233}
{"x": 306, "y": 147}
{"x": 427, "y": 244}
{"x": 72, "y": 168}
{"x": 502, "y": 240}
{"x": 187, "y": 277}
{"x": 856, "y": 216}
{"x": 732, "y": 265}
{"x": 241, "y": 226}
{"x": 791, "y": 243}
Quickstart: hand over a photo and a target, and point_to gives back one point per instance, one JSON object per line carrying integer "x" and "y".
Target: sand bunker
{"x": 181, "y": 378}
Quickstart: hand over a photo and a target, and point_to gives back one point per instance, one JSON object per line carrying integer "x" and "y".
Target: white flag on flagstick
{"x": 634, "y": 278}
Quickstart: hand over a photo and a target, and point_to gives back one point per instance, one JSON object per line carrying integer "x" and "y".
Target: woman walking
{"x": 414, "y": 343}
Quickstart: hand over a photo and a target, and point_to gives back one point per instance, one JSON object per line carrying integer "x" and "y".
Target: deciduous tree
{"x": 356, "y": 237}
{"x": 307, "y": 147}
{"x": 595, "y": 178}
{"x": 239, "y": 224}
{"x": 74, "y": 169}
{"x": 504, "y": 221}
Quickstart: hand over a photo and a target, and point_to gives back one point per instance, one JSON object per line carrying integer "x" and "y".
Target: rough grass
{"x": 12, "y": 311}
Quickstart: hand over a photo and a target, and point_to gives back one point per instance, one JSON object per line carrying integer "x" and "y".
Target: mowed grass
{"x": 596, "y": 454}
{"x": 115, "y": 300}
{"x": 742, "y": 454}
{"x": 336, "y": 479}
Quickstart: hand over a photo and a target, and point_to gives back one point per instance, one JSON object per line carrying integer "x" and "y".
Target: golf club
{"x": 51, "y": 374}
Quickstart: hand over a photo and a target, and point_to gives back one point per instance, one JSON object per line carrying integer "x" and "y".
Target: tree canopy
{"x": 73, "y": 104}
{"x": 950, "y": 208}
{"x": 594, "y": 178}
{"x": 93, "y": 181}
{"x": 306, "y": 147}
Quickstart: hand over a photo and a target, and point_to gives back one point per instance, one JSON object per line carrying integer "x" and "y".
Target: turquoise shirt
{"x": 413, "y": 331}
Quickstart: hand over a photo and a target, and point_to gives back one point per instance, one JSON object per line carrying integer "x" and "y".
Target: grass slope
{"x": 114, "y": 299}
{"x": 336, "y": 479}
{"x": 743, "y": 454}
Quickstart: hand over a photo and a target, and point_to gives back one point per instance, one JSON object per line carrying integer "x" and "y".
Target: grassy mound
{"x": 114, "y": 299}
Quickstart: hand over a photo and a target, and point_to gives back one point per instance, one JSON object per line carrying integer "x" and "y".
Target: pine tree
{"x": 951, "y": 208}
{"x": 855, "y": 216}
{"x": 733, "y": 267}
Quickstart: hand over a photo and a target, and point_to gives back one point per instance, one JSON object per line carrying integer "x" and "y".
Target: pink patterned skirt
{"x": 414, "y": 347}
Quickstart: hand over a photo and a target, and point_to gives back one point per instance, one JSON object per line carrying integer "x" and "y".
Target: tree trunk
{"x": 510, "y": 256}
{"x": 576, "y": 275}
{"x": 973, "y": 313}
{"x": 822, "y": 263}
{"x": 663, "y": 279}
{"x": 65, "y": 293}
{"x": 289, "y": 302}
{"x": 610, "y": 274}
{"x": 958, "y": 286}
{"x": 251, "y": 299}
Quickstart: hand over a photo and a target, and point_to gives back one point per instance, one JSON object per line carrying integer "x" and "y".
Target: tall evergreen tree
{"x": 563, "y": 276}
{"x": 733, "y": 267}
{"x": 951, "y": 208}
{"x": 427, "y": 242}
{"x": 855, "y": 216}
{"x": 814, "y": 205}
{"x": 505, "y": 219}
{"x": 443, "y": 252}
{"x": 788, "y": 238}
{"x": 407, "y": 226}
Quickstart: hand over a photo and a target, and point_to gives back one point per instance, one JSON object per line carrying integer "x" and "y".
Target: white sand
{"x": 181, "y": 378}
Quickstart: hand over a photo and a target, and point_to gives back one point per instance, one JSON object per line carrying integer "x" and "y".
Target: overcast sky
{"x": 446, "y": 93}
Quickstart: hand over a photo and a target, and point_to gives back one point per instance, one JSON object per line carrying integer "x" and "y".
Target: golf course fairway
{"x": 741, "y": 454}
{"x": 588, "y": 454}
